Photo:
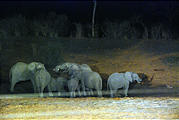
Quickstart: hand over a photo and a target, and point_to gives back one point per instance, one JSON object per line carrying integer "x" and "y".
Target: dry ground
{"x": 136, "y": 60}
{"x": 90, "y": 108}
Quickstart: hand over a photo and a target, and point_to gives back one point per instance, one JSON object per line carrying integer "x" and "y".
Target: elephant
{"x": 73, "y": 85}
{"x": 22, "y": 72}
{"x": 42, "y": 78}
{"x": 89, "y": 80}
{"x": 58, "y": 84}
{"x": 121, "y": 80}
{"x": 72, "y": 69}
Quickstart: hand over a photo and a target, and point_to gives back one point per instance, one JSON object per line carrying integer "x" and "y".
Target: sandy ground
{"x": 28, "y": 107}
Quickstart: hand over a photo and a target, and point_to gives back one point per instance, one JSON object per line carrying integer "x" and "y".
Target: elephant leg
{"x": 50, "y": 91}
{"x": 12, "y": 86}
{"x": 91, "y": 91}
{"x": 88, "y": 91}
{"x": 41, "y": 92}
{"x": 59, "y": 93}
{"x": 113, "y": 92}
{"x": 78, "y": 89}
{"x": 83, "y": 87}
{"x": 74, "y": 94}
{"x": 125, "y": 91}
{"x": 71, "y": 94}
{"x": 99, "y": 93}
{"x": 34, "y": 86}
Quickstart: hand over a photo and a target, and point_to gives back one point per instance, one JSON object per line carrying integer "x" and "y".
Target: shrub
{"x": 50, "y": 54}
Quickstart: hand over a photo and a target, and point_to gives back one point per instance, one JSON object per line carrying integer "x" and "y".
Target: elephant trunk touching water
{"x": 121, "y": 80}
{"x": 22, "y": 72}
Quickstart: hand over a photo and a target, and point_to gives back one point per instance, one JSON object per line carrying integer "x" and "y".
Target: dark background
{"x": 82, "y": 10}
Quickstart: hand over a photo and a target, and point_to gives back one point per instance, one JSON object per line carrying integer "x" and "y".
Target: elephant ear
{"x": 40, "y": 66}
{"x": 128, "y": 76}
{"x": 31, "y": 67}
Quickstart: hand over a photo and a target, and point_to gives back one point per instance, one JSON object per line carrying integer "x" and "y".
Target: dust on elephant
{"x": 42, "y": 78}
{"x": 58, "y": 84}
{"x": 22, "y": 72}
{"x": 121, "y": 80}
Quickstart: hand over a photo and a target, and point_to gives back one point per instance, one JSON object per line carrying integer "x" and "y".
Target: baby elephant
{"x": 121, "y": 80}
{"x": 42, "y": 78}
{"x": 58, "y": 84}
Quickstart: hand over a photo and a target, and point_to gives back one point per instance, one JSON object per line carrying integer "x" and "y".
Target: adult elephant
{"x": 121, "y": 80}
{"x": 42, "y": 79}
{"x": 90, "y": 80}
{"x": 22, "y": 72}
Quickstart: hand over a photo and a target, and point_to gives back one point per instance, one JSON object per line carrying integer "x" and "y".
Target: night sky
{"x": 82, "y": 10}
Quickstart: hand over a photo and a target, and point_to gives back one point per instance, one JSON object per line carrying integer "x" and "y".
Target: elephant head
{"x": 35, "y": 66}
{"x": 131, "y": 77}
{"x": 61, "y": 67}
{"x": 22, "y": 71}
{"x": 65, "y": 67}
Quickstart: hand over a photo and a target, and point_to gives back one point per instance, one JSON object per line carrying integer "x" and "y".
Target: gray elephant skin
{"x": 121, "y": 80}
{"x": 73, "y": 85}
{"x": 42, "y": 78}
{"x": 58, "y": 84}
{"x": 89, "y": 80}
{"x": 66, "y": 67}
{"x": 22, "y": 72}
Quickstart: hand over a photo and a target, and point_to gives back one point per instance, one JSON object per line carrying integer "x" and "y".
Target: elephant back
{"x": 116, "y": 77}
{"x": 85, "y": 67}
{"x": 43, "y": 76}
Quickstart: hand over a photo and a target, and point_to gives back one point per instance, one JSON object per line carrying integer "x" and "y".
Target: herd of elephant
{"x": 80, "y": 78}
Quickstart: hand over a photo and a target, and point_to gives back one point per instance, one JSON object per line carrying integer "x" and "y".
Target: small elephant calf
{"x": 58, "y": 84}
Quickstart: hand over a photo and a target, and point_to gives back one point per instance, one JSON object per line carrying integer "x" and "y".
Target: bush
{"x": 50, "y": 54}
